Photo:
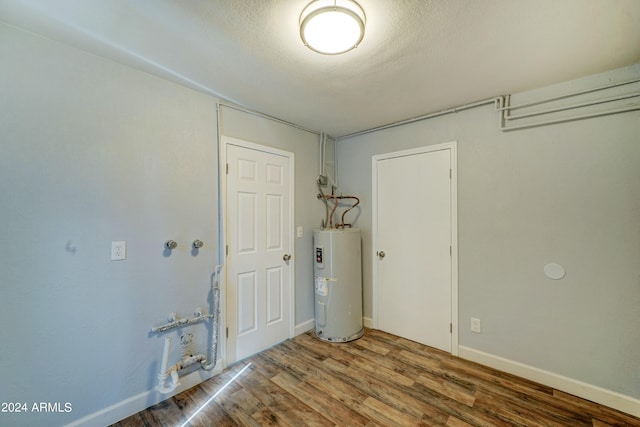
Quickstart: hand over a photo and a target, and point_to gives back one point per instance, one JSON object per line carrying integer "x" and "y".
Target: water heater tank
{"x": 338, "y": 284}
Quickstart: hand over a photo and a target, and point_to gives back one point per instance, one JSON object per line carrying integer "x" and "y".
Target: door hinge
{"x": 450, "y": 174}
{"x": 450, "y": 328}
{"x": 227, "y": 332}
{"x": 450, "y": 251}
{"x": 227, "y": 168}
{"x": 226, "y": 250}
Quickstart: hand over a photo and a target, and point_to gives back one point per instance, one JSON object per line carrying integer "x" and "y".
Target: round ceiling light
{"x": 332, "y": 27}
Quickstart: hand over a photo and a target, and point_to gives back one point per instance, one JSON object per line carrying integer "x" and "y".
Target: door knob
{"x": 380, "y": 254}
{"x": 286, "y": 257}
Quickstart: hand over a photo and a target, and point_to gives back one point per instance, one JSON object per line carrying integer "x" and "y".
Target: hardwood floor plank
{"x": 224, "y": 380}
{"x": 387, "y": 415}
{"x": 420, "y": 362}
{"x": 517, "y": 414}
{"x": 242, "y": 407}
{"x": 321, "y": 402}
{"x": 454, "y": 422}
{"x": 543, "y": 408}
{"x": 338, "y": 369}
{"x": 600, "y": 414}
{"x": 396, "y": 395}
{"x": 266, "y": 417}
{"x": 475, "y": 416}
{"x": 324, "y": 380}
{"x": 376, "y": 347}
{"x": 617, "y": 418}
{"x": 378, "y": 380}
{"x": 449, "y": 391}
{"x": 202, "y": 410}
{"x": 133, "y": 421}
{"x": 290, "y": 409}
{"x": 483, "y": 376}
{"x": 385, "y": 361}
{"x": 506, "y": 387}
{"x": 166, "y": 413}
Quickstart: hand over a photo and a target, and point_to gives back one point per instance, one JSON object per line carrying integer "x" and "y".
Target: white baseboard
{"x": 596, "y": 394}
{"x": 308, "y": 325}
{"x": 368, "y": 322}
{"x": 142, "y": 401}
{"x": 303, "y": 327}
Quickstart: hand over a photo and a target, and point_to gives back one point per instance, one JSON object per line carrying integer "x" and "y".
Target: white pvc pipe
{"x": 568, "y": 107}
{"x": 419, "y": 118}
{"x": 321, "y": 154}
{"x": 165, "y": 355}
{"x": 181, "y": 323}
{"x": 569, "y": 119}
{"x": 237, "y": 107}
{"x": 567, "y": 95}
{"x": 175, "y": 382}
{"x": 172, "y": 372}
{"x": 162, "y": 376}
{"x": 190, "y": 360}
{"x": 501, "y": 106}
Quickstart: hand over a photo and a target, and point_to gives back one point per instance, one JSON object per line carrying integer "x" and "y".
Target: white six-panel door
{"x": 413, "y": 244}
{"x": 259, "y": 242}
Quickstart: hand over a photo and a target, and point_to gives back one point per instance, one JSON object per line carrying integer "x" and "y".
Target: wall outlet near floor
{"x": 118, "y": 250}
{"x": 476, "y": 325}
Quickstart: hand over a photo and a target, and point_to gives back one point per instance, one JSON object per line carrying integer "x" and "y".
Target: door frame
{"x": 452, "y": 147}
{"x": 224, "y": 238}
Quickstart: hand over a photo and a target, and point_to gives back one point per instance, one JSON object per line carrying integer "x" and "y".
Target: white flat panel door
{"x": 258, "y": 237}
{"x": 413, "y": 260}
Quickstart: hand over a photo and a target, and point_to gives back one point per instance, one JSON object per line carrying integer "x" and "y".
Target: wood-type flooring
{"x": 378, "y": 380}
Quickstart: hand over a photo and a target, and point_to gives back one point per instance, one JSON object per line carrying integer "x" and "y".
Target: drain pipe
{"x": 206, "y": 363}
{"x": 165, "y": 373}
{"x": 215, "y": 322}
{"x": 172, "y": 372}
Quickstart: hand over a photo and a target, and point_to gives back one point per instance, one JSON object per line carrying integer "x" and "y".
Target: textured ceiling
{"x": 417, "y": 57}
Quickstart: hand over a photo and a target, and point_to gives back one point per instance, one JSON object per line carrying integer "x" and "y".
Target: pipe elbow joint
{"x": 208, "y": 366}
{"x": 162, "y": 379}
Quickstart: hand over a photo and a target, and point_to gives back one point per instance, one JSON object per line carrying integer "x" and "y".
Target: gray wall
{"x": 94, "y": 152}
{"x": 308, "y": 210}
{"x": 91, "y": 152}
{"x": 566, "y": 193}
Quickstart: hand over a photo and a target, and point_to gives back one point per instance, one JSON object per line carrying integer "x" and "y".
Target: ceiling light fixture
{"x": 332, "y": 27}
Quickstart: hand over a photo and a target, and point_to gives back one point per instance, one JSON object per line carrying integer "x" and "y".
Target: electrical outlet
{"x": 476, "y": 325}
{"x": 118, "y": 250}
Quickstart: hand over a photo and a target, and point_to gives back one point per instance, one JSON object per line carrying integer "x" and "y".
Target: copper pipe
{"x": 353, "y": 206}
{"x": 336, "y": 201}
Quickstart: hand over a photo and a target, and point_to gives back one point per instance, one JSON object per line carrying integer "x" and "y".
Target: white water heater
{"x": 337, "y": 273}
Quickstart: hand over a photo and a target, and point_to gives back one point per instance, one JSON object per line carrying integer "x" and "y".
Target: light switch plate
{"x": 476, "y": 325}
